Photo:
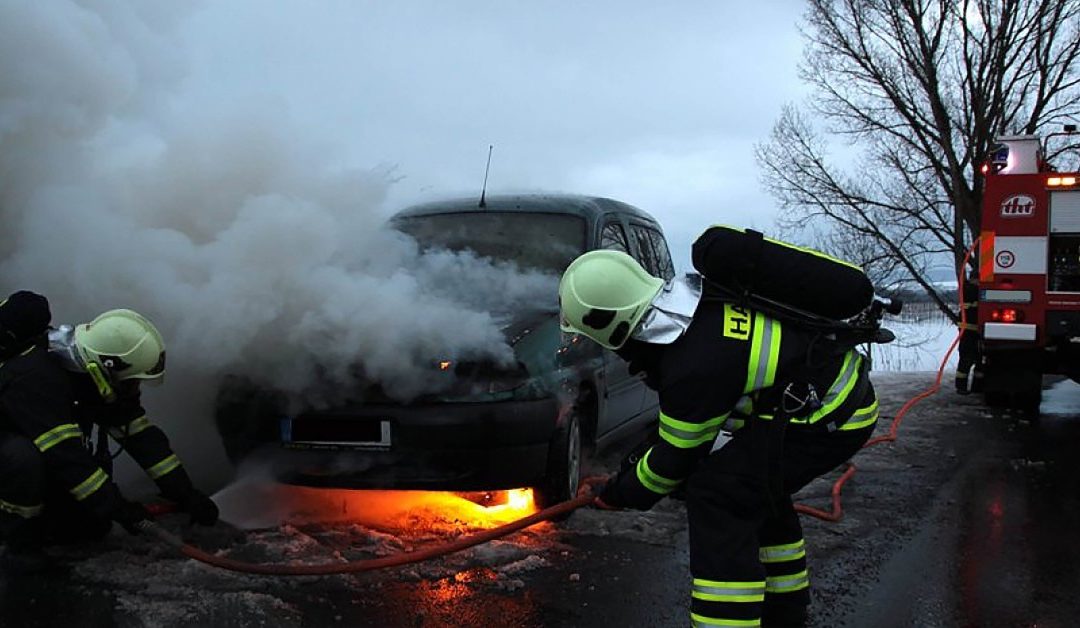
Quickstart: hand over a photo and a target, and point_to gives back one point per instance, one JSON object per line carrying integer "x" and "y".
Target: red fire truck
{"x": 1029, "y": 273}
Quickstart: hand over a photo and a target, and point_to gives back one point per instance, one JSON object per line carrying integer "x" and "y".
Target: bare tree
{"x": 918, "y": 89}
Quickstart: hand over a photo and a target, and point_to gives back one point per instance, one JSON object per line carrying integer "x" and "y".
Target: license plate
{"x": 362, "y": 433}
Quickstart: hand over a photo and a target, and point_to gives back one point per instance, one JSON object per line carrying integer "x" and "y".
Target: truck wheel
{"x": 563, "y": 474}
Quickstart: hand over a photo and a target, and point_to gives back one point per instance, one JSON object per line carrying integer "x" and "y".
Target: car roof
{"x": 589, "y": 207}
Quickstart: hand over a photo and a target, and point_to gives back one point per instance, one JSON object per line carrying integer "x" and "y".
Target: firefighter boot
{"x": 24, "y": 554}
{"x": 788, "y": 616}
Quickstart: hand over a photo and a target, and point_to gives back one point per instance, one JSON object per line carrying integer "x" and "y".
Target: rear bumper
{"x": 477, "y": 446}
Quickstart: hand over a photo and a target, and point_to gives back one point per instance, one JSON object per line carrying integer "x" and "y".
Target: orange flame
{"x": 399, "y": 511}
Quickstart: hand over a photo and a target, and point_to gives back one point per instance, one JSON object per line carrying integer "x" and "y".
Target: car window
{"x": 662, "y": 255}
{"x": 545, "y": 242}
{"x": 646, "y": 255}
{"x": 613, "y": 237}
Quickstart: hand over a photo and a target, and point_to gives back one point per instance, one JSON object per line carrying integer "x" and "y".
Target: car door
{"x": 654, "y": 255}
{"x": 621, "y": 392}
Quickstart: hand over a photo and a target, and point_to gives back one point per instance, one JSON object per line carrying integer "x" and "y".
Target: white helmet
{"x": 603, "y": 295}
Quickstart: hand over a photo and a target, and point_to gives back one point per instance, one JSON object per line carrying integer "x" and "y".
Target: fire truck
{"x": 1029, "y": 273}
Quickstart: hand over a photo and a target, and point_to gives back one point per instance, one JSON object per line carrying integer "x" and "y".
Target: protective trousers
{"x": 747, "y": 554}
{"x": 24, "y": 492}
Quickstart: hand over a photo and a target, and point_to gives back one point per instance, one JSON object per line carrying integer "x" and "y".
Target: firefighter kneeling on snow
{"x": 720, "y": 369}
{"x": 55, "y": 385}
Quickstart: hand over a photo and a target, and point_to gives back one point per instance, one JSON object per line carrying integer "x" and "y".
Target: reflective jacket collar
{"x": 670, "y": 313}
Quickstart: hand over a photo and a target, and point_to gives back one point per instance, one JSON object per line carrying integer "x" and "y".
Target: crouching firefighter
{"x": 56, "y": 386}
{"x": 722, "y": 371}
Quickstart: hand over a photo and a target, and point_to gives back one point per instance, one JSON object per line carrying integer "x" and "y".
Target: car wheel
{"x": 564, "y": 465}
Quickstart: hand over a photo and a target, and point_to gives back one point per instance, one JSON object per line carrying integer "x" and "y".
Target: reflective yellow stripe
{"x": 26, "y": 512}
{"x": 57, "y": 435}
{"x": 652, "y": 480}
{"x": 764, "y": 353}
{"x": 87, "y": 487}
{"x": 685, "y": 435}
{"x": 788, "y": 583}
{"x": 701, "y": 620}
{"x": 862, "y": 417}
{"x": 165, "y": 466}
{"x": 782, "y": 553}
{"x": 131, "y": 429}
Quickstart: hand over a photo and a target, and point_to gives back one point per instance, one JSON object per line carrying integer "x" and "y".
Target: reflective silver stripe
{"x": 764, "y": 354}
{"x": 87, "y": 487}
{"x": 782, "y": 553}
{"x": 839, "y": 390}
{"x": 131, "y": 429}
{"x": 713, "y": 591}
{"x": 788, "y": 583}
{"x": 165, "y": 466}
{"x": 862, "y": 417}
{"x": 57, "y": 435}
{"x": 685, "y": 435}
{"x": 26, "y": 512}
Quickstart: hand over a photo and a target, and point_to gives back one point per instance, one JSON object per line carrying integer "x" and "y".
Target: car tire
{"x": 563, "y": 475}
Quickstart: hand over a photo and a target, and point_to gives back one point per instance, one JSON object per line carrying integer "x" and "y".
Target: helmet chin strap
{"x": 669, "y": 314}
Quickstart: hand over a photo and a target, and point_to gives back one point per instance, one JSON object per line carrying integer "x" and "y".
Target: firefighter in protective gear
{"x": 56, "y": 386}
{"x": 720, "y": 370}
{"x": 968, "y": 368}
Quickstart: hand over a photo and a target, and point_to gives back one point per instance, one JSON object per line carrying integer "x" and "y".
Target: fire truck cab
{"x": 1029, "y": 273}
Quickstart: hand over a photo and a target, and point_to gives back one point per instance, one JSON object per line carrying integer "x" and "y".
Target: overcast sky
{"x": 656, "y": 104}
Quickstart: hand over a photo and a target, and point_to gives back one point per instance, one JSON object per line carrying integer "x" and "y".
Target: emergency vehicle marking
{"x": 736, "y": 322}
{"x": 1018, "y": 206}
{"x": 1020, "y": 255}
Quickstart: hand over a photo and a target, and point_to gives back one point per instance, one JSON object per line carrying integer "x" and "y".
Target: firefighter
{"x": 720, "y": 371}
{"x": 968, "y": 368}
{"x": 56, "y": 385}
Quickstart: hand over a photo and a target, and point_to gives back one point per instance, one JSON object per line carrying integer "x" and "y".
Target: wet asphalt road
{"x": 967, "y": 520}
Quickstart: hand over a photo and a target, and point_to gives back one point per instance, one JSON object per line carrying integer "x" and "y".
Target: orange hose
{"x": 371, "y": 563}
{"x": 837, "y": 507}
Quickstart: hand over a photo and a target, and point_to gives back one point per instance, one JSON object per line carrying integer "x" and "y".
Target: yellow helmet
{"x": 123, "y": 344}
{"x": 603, "y": 295}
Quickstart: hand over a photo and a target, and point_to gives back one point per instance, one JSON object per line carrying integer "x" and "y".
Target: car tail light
{"x": 1007, "y": 315}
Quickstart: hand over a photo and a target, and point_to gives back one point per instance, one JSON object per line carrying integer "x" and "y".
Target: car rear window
{"x": 545, "y": 242}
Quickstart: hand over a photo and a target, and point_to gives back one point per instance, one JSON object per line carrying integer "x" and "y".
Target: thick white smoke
{"x": 255, "y": 250}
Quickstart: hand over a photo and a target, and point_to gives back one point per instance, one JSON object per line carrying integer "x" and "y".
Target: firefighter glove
{"x": 130, "y": 514}
{"x": 202, "y": 509}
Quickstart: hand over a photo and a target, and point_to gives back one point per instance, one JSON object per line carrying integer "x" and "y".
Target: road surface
{"x": 967, "y": 520}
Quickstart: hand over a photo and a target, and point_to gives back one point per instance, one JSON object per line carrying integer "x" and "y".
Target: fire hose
{"x": 558, "y": 510}
{"x": 837, "y": 507}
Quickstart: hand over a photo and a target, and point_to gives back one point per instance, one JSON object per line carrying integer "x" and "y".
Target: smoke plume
{"x": 254, "y": 249}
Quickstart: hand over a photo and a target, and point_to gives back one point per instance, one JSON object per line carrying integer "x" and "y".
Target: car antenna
{"x": 483, "y": 189}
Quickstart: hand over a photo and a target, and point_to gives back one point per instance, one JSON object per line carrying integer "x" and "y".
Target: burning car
{"x": 524, "y": 423}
